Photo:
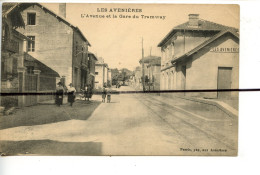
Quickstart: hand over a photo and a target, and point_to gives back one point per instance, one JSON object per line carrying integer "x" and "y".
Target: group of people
{"x": 87, "y": 92}
{"x": 106, "y": 93}
{"x": 71, "y": 91}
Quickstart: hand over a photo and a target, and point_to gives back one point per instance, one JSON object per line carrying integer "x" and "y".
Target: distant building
{"x": 200, "y": 54}
{"x": 148, "y": 68}
{"x": 109, "y": 77}
{"x": 147, "y": 60}
{"x": 154, "y": 73}
{"x": 91, "y": 69}
{"x": 100, "y": 74}
{"x": 137, "y": 82}
{"x": 56, "y": 42}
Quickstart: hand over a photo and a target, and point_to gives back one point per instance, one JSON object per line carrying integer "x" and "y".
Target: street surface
{"x": 132, "y": 124}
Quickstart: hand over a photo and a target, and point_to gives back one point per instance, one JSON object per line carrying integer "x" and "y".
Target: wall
{"x": 202, "y": 69}
{"x": 105, "y": 75}
{"x": 180, "y": 43}
{"x": 187, "y": 41}
{"x": 99, "y": 79}
{"x": 138, "y": 81}
{"x": 156, "y": 73}
{"x": 9, "y": 66}
{"x": 80, "y": 49}
{"x": 91, "y": 75}
{"x": 53, "y": 41}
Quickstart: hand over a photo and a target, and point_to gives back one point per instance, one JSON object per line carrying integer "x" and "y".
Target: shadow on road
{"x": 44, "y": 114}
{"x": 50, "y": 147}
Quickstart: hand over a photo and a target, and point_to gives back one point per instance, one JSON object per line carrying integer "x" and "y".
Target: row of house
{"x": 152, "y": 69}
{"x": 39, "y": 49}
{"x": 199, "y": 55}
{"x": 102, "y": 74}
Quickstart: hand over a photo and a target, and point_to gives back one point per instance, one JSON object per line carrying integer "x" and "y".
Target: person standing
{"x": 109, "y": 95}
{"x": 104, "y": 94}
{"x": 85, "y": 92}
{"x": 71, "y": 94}
{"x": 59, "y": 94}
{"x": 89, "y": 92}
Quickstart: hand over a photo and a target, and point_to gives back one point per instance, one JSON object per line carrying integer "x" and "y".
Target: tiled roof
{"x": 12, "y": 10}
{"x": 138, "y": 68}
{"x": 8, "y": 7}
{"x": 20, "y": 35}
{"x": 90, "y": 53}
{"x": 148, "y": 59}
{"x": 196, "y": 49}
{"x": 45, "y": 70}
{"x": 204, "y": 25}
{"x": 156, "y": 62}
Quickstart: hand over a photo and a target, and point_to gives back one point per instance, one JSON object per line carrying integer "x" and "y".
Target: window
{"x": 30, "y": 69}
{"x": 31, "y": 44}
{"x": 31, "y": 18}
{"x": 96, "y": 73}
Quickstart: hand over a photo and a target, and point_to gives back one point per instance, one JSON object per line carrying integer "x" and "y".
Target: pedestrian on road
{"x": 109, "y": 95}
{"x": 104, "y": 93}
{"x": 89, "y": 92}
{"x": 85, "y": 90}
{"x": 59, "y": 94}
{"x": 71, "y": 94}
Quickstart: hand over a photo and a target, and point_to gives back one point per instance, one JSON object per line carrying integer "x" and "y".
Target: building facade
{"x": 56, "y": 43}
{"x": 198, "y": 55}
{"x": 109, "y": 77}
{"x": 150, "y": 63}
{"x": 137, "y": 78}
{"x": 20, "y": 72}
{"x": 154, "y": 73}
{"x": 101, "y": 69}
{"x": 92, "y": 59}
{"x": 12, "y": 48}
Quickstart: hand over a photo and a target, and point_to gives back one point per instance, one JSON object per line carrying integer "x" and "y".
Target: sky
{"x": 119, "y": 40}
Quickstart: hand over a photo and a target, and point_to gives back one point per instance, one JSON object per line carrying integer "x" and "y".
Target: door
{"x": 224, "y": 81}
{"x": 30, "y": 87}
{"x": 183, "y": 79}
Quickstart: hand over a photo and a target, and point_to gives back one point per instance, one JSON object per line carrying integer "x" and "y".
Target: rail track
{"x": 191, "y": 133}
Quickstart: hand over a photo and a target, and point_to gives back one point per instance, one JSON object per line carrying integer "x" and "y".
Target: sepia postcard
{"x": 119, "y": 79}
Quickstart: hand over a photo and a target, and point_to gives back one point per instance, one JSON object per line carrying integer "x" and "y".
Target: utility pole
{"x": 143, "y": 78}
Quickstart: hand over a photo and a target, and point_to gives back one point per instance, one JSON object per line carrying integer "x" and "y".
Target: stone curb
{"x": 211, "y": 102}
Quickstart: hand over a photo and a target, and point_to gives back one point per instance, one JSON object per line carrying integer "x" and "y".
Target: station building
{"x": 199, "y": 55}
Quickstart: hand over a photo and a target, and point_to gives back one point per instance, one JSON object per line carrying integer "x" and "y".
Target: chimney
{"x": 193, "y": 20}
{"x": 62, "y": 9}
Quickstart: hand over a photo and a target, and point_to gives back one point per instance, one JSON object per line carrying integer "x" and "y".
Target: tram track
{"x": 152, "y": 104}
